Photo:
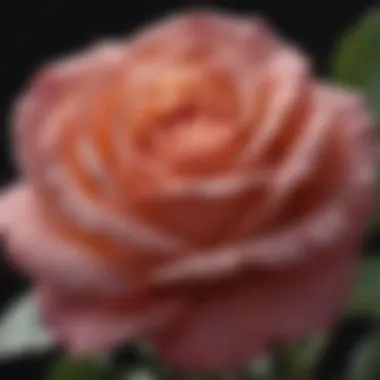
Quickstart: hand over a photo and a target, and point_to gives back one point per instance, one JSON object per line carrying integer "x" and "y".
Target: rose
{"x": 194, "y": 186}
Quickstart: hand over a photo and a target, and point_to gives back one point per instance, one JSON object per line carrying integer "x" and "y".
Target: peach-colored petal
{"x": 85, "y": 325}
{"x": 37, "y": 248}
{"x": 233, "y": 323}
{"x": 53, "y": 85}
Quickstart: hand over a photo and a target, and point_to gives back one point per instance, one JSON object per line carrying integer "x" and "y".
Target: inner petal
{"x": 198, "y": 146}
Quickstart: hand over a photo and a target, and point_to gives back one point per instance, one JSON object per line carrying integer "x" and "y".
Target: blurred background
{"x": 34, "y": 31}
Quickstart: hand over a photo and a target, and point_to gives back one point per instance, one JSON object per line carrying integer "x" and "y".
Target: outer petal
{"x": 43, "y": 253}
{"x": 228, "y": 327}
{"x": 85, "y": 325}
{"x": 48, "y": 90}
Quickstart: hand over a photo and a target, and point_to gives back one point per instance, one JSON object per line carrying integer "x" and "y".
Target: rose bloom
{"x": 193, "y": 186}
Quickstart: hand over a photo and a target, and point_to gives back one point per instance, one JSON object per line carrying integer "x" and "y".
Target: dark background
{"x": 33, "y": 31}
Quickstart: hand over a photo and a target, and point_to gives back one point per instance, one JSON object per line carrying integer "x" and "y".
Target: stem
{"x": 290, "y": 364}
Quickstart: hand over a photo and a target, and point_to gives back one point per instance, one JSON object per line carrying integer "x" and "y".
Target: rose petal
{"x": 43, "y": 253}
{"x": 88, "y": 326}
{"x": 232, "y": 325}
{"x": 62, "y": 81}
{"x": 221, "y": 332}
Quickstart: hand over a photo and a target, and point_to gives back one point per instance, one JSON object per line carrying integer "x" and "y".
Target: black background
{"x": 33, "y": 31}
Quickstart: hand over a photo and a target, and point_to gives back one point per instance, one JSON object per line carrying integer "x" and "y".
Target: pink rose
{"x": 193, "y": 186}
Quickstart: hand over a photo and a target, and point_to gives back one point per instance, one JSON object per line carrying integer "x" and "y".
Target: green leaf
{"x": 21, "y": 331}
{"x": 82, "y": 369}
{"x": 357, "y": 54}
{"x": 356, "y": 63}
{"x": 365, "y": 361}
{"x": 140, "y": 374}
{"x": 372, "y": 87}
{"x": 375, "y": 228}
{"x": 263, "y": 369}
{"x": 366, "y": 294}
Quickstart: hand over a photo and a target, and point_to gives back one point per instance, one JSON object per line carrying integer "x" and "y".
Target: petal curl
{"x": 39, "y": 250}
